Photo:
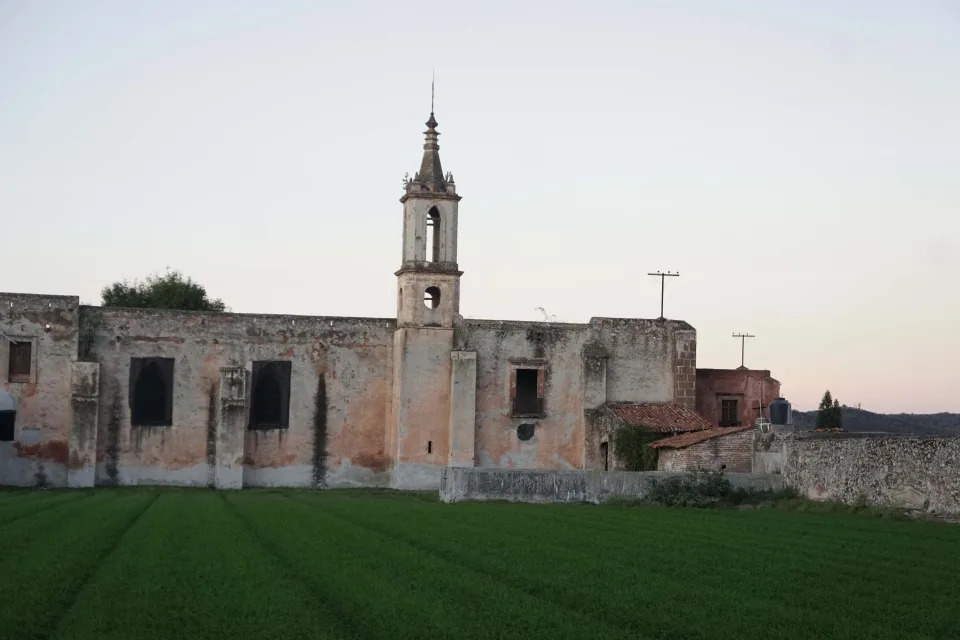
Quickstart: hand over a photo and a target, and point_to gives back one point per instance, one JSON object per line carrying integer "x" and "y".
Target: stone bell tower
{"x": 428, "y": 282}
{"x": 419, "y": 438}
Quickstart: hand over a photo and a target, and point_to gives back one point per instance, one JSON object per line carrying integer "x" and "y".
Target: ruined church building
{"x": 106, "y": 396}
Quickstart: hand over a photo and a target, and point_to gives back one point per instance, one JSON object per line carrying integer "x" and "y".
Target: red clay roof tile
{"x": 666, "y": 417}
{"x": 687, "y": 439}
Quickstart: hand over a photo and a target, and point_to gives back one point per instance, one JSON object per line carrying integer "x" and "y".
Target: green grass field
{"x": 168, "y": 563}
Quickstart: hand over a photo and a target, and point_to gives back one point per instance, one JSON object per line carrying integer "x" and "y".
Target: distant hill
{"x": 920, "y": 424}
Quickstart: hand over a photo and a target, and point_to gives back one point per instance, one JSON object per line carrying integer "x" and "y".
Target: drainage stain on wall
{"x": 320, "y": 433}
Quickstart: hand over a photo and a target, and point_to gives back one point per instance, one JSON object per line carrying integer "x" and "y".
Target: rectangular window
{"x": 20, "y": 361}
{"x": 7, "y": 419}
{"x": 151, "y": 392}
{"x": 270, "y": 395}
{"x": 526, "y": 387}
{"x": 729, "y": 416}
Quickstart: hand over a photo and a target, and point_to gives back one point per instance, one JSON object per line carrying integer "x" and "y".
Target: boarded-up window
{"x": 526, "y": 390}
{"x": 270, "y": 395}
{"x": 728, "y": 413}
{"x": 151, "y": 392}
{"x": 20, "y": 361}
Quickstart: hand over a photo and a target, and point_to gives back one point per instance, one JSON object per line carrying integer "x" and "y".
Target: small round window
{"x": 525, "y": 431}
{"x": 431, "y": 297}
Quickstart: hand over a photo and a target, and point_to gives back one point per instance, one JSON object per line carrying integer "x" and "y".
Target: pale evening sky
{"x": 797, "y": 162}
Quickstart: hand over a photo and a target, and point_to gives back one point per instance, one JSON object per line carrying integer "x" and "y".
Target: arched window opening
{"x": 152, "y": 401}
{"x": 433, "y": 235}
{"x": 605, "y": 455}
{"x": 431, "y": 297}
{"x": 270, "y": 397}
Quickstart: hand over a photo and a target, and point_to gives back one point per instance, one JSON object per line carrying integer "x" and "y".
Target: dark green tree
{"x": 168, "y": 291}
{"x": 825, "y": 412}
{"x": 837, "y": 414}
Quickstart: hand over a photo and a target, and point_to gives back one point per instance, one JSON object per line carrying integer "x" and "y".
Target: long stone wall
{"x": 522, "y": 485}
{"x": 909, "y": 472}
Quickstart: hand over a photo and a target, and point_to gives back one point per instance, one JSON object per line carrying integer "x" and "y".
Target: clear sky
{"x": 797, "y": 162}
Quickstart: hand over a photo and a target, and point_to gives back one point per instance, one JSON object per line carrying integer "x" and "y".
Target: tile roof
{"x": 664, "y": 416}
{"x": 687, "y": 439}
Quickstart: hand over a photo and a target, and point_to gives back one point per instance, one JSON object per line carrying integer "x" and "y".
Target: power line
{"x": 743, "y": 341}
{"x": 663, "y": 277}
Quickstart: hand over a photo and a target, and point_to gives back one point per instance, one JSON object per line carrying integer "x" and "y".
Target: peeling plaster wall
{"x": 340, "y": 387}
{"x": 366, "y": 400}
{"x": 40, "y": 451}
{"x": 640, "y": 367}
{"x": 422, "y": 396}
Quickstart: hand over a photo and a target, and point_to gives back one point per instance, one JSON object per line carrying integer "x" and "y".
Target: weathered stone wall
{"x": 458, "y": 484}
{"x": 735, "y": 451}
{"x": 648, "y": 360}
{"x": 340, "y": 387}
{"x": 40, "y": 451}
{"x": 911, "y": 472}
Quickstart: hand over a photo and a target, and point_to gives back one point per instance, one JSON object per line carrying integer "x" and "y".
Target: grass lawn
{"x": 170, "y": 563}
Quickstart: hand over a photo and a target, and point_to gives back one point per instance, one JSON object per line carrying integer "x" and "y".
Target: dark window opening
{"x": 151, "y": 392}
{"x": 729, "y": 416}
{"x": 20, "y": 360}
{"x": 429, "y": 446}
{"x": 270, "y": 398}
{"x": 7, "y": 420}
{"x": 431, "y": 297}
{"x": 526, "y": 430}
{"x": 605, "y": 455}
{"x": 433, "y": 235}
{"x": 528, "y": 392}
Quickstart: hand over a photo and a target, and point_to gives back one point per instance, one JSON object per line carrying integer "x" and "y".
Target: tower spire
{"x": 431, "y": 172}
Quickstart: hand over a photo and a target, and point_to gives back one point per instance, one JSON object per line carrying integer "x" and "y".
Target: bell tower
{"x": 428, "y": 281}
{"x": 420, "y": 439}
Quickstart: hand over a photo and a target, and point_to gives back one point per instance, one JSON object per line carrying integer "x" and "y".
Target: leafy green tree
{"x": 825, "y": 412}
{"x": 168, "y": 291}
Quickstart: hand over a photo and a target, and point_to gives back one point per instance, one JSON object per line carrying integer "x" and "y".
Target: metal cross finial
{"x": 743, "y": 341}
{"x": 663, "y": 277}
{"x": 433, "y": 79}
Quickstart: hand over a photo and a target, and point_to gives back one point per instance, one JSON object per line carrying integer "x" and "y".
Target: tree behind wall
{"x": 829, "y": 414}
{"x": 168, "y": 291}
{"x": 825, "y": 411}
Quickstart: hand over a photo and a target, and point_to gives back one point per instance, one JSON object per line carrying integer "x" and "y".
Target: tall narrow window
{"x": 151, "y": 392}
{"x": 527, "y": 391}
{"x": 7, "y": 421}
{"x": 605, "y": 455}
{"x": 21, "y": 359}
{"x": 433, "y": 235}
{"x": 728, "y": 413}
{"x": 270, "y": 395}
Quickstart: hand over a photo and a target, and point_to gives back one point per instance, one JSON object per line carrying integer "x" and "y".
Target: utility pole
{"x": 663, "y": 277}
{"x": 743, "y": 341}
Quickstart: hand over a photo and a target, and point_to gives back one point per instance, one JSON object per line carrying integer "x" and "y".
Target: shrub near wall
{"x": 699, "y": 488}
